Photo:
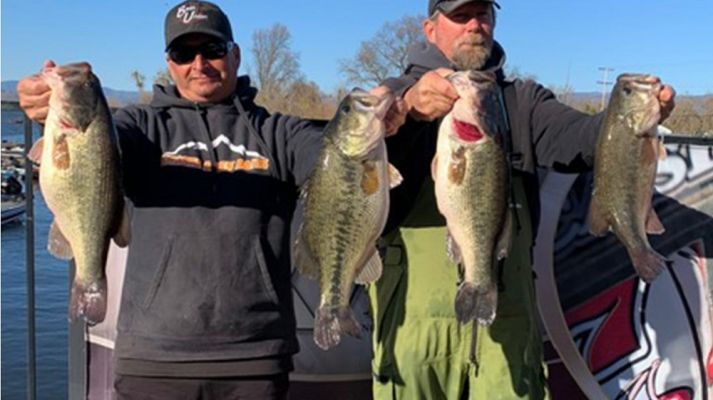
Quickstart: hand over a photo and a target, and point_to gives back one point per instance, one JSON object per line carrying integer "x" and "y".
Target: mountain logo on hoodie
{"x": 245, "y": 160}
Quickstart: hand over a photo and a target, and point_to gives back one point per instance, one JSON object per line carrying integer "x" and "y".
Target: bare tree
{"x": 385, "y": 54}
{"x": 338, "y": 94}
{"x": 277, "y": 74}
{"x": 140, "y": 79}
{"x": 113, "y": 102}
{"x": 306, "y": 100}
{"x": 685, "y": 118}
{"x": 586, "y": 106}
{"x": 708, "y": 115}
{"x": 513, "y": 73}
{"x": 708, "y": 104}
{"x": 564, "y": 93}
{"x": 163, "y": 78}
{"x": 276, "y": 65}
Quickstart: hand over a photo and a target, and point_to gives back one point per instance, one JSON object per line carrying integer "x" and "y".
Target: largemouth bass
{"x": 470, "y": 172}
{"x": 625, "y": 169}
{"x": 346, "y": 201}
{"x": 79, "y": 180}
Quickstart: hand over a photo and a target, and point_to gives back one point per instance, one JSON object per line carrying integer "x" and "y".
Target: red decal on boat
{"x": 677, "y": 394}
{"x": 617, "y": 305}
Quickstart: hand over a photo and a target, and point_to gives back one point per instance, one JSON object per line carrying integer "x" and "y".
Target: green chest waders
{"x": 420, "y": 349}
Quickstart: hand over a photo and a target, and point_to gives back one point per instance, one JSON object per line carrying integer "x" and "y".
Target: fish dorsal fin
{"x": 303, "y": 257}
{"x": 35, "y": 153}
{"x": 57, "y": 243}
{"x": 372, "y": 269}
{"x": 452, "y": 249}
{"x": 370, "y": 178}
{"x": 395, "y": 177}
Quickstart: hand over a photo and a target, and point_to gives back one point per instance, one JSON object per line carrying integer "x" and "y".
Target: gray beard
{"x": 473, "y": 58}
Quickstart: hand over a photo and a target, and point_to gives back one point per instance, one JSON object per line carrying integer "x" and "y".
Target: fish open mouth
{"x": 366, "y": 102}
{"x": 642, "y": 83}
{"x": 467, "y": 132}
{"x": 639, "y": 78}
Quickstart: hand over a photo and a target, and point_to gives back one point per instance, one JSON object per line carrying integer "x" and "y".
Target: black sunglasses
{"x": 210, "y": 51}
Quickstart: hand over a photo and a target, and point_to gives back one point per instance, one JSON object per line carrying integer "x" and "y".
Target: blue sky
{"x": 558, "y": 41}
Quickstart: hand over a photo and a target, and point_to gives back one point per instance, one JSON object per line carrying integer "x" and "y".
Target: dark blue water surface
{"x": 51, "y": 296}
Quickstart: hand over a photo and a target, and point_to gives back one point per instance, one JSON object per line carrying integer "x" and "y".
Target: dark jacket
{"x": 544, "y": 133}
{"x": 212, "y": 189}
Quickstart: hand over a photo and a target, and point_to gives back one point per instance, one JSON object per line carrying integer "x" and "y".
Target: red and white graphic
{"x": 654, "y": 341}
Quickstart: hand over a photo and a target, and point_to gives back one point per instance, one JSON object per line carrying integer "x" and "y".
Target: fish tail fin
{"x": 476, "y": 303}
{"x": 648, "y": 263}
{"x": 330, "y": 323}
{"x": 88, "y": 301}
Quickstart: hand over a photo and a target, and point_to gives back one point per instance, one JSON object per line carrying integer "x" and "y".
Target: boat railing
{"x": 30, "y": 262}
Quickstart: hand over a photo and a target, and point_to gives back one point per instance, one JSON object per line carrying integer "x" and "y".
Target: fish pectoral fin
{"x": 371, "y": 271}
{"x": 303, "y": 258}
{"x": 434, "y": 167}
{"x": 504, "y": 243}
{"x": 395, "y": 177}
{"x": 370, "y": 178}
{"x": 452, "y": 249}
{"x": 35, "y": 153}
{"x": 653, "y": 150}
{"x": 122, "y": 237}
{"x": 653, "y": 223}
{"x": 57, "y": 243}
{"x": 60, "y": 153}
{"x": 304, "y": 190}
{"x": 662, "y": 150}
{"x": 598, "y": 225}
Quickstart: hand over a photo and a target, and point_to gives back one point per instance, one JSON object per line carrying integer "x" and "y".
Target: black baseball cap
{"x": 446, "y": 6}
{"x": 197, "y": 17}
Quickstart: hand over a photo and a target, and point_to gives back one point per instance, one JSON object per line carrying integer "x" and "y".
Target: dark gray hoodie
{"x": 212, "y": 190}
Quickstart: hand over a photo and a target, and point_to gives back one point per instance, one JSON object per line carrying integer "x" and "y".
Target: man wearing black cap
{"x": 211, "y": 181}
{"x": 420, "y": 349}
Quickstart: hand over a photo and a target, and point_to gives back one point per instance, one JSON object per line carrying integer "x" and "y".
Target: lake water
{"x": 51, "y": 296}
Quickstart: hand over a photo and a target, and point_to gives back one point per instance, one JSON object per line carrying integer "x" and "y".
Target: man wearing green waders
{"x": 420, "y": 350}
